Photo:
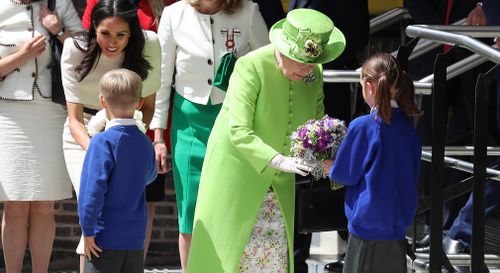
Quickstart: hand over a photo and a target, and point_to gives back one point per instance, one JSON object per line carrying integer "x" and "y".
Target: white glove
{"x": 290, "y": 164}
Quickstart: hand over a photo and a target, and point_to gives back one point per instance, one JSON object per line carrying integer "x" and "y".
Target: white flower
{"x": 138, "y": 119}
{"x": 98, "y": 122}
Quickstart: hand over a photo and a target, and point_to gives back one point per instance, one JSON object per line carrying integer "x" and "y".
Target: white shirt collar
{"x": 394, "y": 104}
{"x": 120, "y": 121}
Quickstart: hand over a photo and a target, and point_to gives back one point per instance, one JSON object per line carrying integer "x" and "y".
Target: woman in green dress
{"x": 244, "y": 215}
{"x": 194, "y": 36}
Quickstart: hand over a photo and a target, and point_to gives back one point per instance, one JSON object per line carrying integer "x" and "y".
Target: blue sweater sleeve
{"x": 153, "y": 171}
{"x": 97, "y": 167}
{"x": 355, "y": 153}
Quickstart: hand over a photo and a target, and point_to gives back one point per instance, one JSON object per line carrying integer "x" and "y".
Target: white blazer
{"x": 33, "y": 76}
{"x": 192, "y": 45}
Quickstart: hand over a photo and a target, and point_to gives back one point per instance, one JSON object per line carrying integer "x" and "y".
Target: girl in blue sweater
{"x": 379, "y": 162}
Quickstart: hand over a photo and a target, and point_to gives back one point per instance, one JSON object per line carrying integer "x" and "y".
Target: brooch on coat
{"x": 231, "y": 35}
{"x": 310, "y": 78}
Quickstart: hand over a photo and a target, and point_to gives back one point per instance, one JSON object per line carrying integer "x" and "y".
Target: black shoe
{"x": 425, "y": 249}
{"x": 424, "y": 241}
{"x": 452, "y": 246}
{"x": 335, "y": 267}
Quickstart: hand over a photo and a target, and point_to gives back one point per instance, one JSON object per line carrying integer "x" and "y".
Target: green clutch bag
{"x": 224, "y": 71}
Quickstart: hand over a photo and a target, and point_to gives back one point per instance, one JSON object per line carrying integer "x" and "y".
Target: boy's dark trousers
{"x": 116, "y": 261}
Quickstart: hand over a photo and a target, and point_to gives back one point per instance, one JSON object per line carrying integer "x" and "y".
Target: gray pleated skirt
{"x": 375, "y": 256}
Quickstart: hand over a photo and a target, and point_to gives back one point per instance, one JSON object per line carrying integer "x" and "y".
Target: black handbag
{"x": 318, "y": 207}
{"x": 55, "y": 66}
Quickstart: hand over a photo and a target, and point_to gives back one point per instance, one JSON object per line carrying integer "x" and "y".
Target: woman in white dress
{"x": 32, "y": 173}
{"x": 114, "y": 40}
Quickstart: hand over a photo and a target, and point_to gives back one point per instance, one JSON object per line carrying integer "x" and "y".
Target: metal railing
{"x": 388, "y": 18}
{"x": 478, "y": 47}
{"x": 424, "y": 85}
{"x": 437, "y": 257}
{"x": 352, "y": 76}
{"x": 464, "y": 150}
{"x": 424, "y": 46}
{"x": 461, "y": 164}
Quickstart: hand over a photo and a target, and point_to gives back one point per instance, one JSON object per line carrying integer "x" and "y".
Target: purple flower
{"x": 314, "y": 140}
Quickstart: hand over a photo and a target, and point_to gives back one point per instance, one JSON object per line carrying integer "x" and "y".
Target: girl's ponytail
{"x": 383, "y": 98}
{"x": 405, "y": 96}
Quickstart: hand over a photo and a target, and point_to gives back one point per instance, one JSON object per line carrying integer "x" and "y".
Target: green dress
{"x": 261, "y": 110}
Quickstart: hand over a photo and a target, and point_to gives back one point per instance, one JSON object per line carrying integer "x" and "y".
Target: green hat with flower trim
{"x": 307, "y": 36}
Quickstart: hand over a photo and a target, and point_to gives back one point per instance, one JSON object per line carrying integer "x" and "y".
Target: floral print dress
{"x": 267, "y": 248}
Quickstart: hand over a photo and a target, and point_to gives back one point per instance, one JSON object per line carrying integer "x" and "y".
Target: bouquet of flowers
{"x": 317, "y": 140}
{"x": 98, "y": 122}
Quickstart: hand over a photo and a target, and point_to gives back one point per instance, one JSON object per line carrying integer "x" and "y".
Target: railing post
{"x": 480, "y": 161}
{"x": 404, "y": 52}
{"x": 439, "y": 110}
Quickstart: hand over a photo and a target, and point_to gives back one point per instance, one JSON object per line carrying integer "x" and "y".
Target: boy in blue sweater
{"x": 118, "y": 164}
{"x": 379, "y": 163}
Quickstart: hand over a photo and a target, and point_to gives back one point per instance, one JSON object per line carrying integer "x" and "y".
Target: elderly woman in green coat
{"x": 244, "y": 214}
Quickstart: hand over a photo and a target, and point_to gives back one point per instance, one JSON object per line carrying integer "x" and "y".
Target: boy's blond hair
{"x": 121, "y": 88}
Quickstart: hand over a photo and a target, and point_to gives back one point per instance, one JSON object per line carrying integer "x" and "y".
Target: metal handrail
{"x": 346, "y": 76}
{"x": 464, "y": 150}
{"x": 454, "y": 39}
{"x": 462, "y": 165}
{"x": 471, "y": 31}
{"x": 424, "y": 46}
{"x": 388, "y": 18}
{"x": 424, "y": 86}
{"x": 352, "y": 76}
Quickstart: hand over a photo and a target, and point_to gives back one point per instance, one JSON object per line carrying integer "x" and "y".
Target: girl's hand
{"x": 327, "y": 165}
{"x": 50, "y": 20}
{"x": 90, "y": 247}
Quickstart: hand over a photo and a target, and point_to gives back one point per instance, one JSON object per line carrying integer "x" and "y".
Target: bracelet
{"x": 158, "y": 142}
{"x": 480, "y": 4}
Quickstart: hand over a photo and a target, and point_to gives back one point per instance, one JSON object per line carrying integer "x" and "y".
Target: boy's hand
{"x": 327, "y": 165}
{"x": 90, "y": 247}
